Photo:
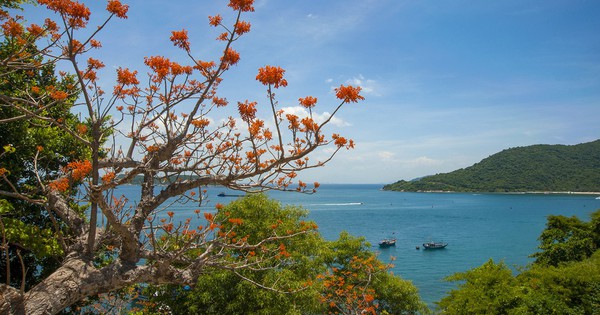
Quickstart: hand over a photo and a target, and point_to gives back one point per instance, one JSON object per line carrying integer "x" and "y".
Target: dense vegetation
{"x": 573, "y": 168}
{"x": 564, "y": 279}
{"x": 318, "y": 276}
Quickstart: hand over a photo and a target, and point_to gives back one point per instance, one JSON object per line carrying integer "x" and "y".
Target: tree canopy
{"x": 564, "y": 279}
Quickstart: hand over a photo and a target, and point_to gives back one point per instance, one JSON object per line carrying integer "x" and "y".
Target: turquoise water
{"x": 477, "y": 227}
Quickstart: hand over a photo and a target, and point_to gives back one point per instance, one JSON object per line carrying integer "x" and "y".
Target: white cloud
{"x": 368, "y": 86}
{"x": 319, "y": 118}
{"x": 386, "y": 155}
{"x": 424, "y": 161}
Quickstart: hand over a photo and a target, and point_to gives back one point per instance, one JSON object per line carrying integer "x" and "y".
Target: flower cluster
{"x": 349, "y": 94}
{"x": 270, "y": 75}
{"x": 180, "y": 39}
{"x": 77, "y": 14}
{"x": 115, "y": 7}
{"x": 242, "y": 5}
{"x": 247, "y": 110}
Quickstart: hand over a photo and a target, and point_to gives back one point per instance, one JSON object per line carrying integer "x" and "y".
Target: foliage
{"x": 534, "y": 168}
{"x": 164, "y": 128}
{"x": 30, "y": 232}
{"x": 568, "y": 239}
{"x": 318, "y": 276}
{"x": 564, "y": 283}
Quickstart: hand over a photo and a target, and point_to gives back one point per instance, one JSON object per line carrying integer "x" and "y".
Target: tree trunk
{"x": 75, "y": 280}
{"x": 65, "y": 286}
{"x": 11, "y": 301}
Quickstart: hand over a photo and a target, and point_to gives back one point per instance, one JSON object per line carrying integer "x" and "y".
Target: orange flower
{"x": 95, "y": 44}
{"x": 236, "y": 221}
{"x": 77, "y": 14}
{"x": 180, "y": 39}
{"x": 108, "y": 177}
{"x": 339, "y": 141}
{"x": 242, "y": 27}
{"x": 270, "y": 75}
{"x": 348, "y": 94}
{"x": 61, "y": 184}
{"x": 170, "y": 214}
{"x": 160, "y": 65}
{"x": 215, "y": 20}
{"x": 308, "y": 102}
{"x": 80, "y": 169}
{"x": 35, "y": 30}
{"x": 127, "y": 77}
{"x": 3, "y": 172}
{"x": 220, "y": 102}
{"x": 115, "y": 7}
{"x": 200, "y": 123}
{"x": 293, "y": 119}
{"x": 94, "y": 63}
{"x": 255, "y": 127}
{"x": 230, "y": 57}
{"x": 247, "y": 110}
{"x": 310, "y": 124}
{"x": 12, "y": 28}
{"x": 82, "y": 129}
{"x": 242, "y": 5}
{"x": 58, "y": 95}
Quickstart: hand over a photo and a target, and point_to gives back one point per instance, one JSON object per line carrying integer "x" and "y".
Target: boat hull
{"x": 434, "y": 245}
{"x": 387, "y": 243}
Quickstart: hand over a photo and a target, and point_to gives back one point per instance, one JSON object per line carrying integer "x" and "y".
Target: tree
{"x": 171, "y": 138}
{"x": 568, "y": 239}
{"x": 308, "y": 278}
{"x": 30, "y": 246}
{"x": 560, "y": 281}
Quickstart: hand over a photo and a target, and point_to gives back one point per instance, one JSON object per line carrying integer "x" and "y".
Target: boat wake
{"x": 338, "y": 204}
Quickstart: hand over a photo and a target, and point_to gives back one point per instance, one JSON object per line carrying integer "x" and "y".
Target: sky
{"x": 447, "y": 83}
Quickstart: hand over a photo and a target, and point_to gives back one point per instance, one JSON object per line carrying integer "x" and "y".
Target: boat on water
{"x": 387, "y": 242}
{"x": 434, "y": 245}
{"x": 222, "y": 194}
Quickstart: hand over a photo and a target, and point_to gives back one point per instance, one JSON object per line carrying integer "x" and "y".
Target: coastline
{"x": 585, "y": 193}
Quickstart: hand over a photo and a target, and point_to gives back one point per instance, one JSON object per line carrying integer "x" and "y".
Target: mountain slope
{"x": 573, "y": 168}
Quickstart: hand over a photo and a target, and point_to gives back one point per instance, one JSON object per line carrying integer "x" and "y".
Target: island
{"x": 537, "y": 168}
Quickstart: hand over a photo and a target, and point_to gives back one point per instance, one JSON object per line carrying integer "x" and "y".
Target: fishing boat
{"x": 387, "y": 242}
{"x": 434, "y": 245}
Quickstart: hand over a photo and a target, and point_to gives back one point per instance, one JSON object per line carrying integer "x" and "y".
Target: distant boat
{"x": 434, "y": 245}
{"x": 226, "y": 195}
{"x": 387, "y": 242}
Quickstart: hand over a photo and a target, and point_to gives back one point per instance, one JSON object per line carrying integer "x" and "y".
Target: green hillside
{"x": 574, "y": 168}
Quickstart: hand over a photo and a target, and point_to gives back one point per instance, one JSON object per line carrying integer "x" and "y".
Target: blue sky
{"x": 447, "y": 83}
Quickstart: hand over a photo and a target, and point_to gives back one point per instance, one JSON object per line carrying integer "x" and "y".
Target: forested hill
{"x": 574, "y": 168}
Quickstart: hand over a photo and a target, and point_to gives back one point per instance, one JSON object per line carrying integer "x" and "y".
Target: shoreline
{"x": 583, "y": 193}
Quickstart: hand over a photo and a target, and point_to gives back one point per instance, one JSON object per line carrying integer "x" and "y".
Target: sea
{"x": 477, "y": 227}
